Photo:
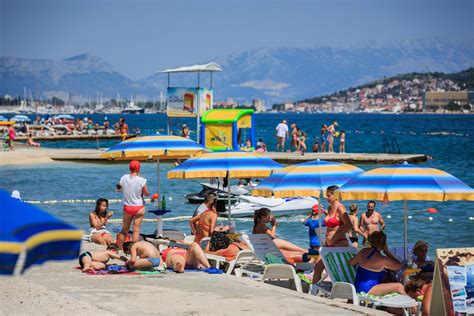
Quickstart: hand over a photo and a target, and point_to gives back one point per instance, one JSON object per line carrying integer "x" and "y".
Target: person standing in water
{"x": 371, "y": 221}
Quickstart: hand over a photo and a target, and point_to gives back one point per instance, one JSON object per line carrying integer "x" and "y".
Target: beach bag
{"x": 219, "y": 240}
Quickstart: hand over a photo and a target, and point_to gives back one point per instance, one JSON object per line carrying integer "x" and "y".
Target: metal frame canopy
{"x": 210, "y": 67}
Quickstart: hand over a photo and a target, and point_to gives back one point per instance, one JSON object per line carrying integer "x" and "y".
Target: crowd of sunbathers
{"x": 376, "y": 264}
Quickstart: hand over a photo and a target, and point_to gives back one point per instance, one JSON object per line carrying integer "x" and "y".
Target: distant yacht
{"x": 133, "y": 109}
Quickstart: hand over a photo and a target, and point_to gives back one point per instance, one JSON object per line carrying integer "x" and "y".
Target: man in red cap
{"x": 134, "y": 188}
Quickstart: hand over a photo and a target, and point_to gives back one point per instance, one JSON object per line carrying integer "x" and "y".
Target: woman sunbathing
{"x": 221, "y": 245}
{"x": 263, "y": 216}
{"x": 204, "y": 224}
{"x": 371, "y": 266}
{"x": 180, "y": 258}
{"x": 97, "y": 220}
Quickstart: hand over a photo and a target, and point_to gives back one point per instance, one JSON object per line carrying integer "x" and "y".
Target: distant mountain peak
{"x": 84, "y": 56}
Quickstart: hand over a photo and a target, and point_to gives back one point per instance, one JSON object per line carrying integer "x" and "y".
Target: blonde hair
{"x": 353, "y": 209}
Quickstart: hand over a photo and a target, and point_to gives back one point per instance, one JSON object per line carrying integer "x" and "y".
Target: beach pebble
{"x": 430, "y": 218}
{"x": 389, "y": 216}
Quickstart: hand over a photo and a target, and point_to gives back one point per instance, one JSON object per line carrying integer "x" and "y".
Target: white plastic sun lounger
{"x": 268, "y": 253}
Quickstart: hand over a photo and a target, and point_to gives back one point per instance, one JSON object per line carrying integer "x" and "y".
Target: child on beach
{"x": 316, "y": 145}
{"x": 302, "y": 143}
{"x": 342, "y": 142}
{"x": 98, "y": 221}
{"x": 144, "y": 255}
{"x": 96, "y": 260}
{"x": 355, "y": 230}
{"x": 312, "y": 222}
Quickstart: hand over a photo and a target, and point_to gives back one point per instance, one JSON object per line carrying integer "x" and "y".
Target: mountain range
{"x": 272, "y": 74}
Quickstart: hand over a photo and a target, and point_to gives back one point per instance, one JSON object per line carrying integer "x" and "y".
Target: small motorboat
{"x": 221, "y": 192}
{"x": 247, "y": 205}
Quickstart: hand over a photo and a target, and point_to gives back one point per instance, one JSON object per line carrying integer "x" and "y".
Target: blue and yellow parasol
{"x": 24, "y": 227}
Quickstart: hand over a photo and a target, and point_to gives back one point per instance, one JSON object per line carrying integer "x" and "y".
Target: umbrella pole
{"x": 228, "y": 199}
{"x": 320, "y": 220}
{"x": 405, "y": 238}
{"x": 159, "y": 222}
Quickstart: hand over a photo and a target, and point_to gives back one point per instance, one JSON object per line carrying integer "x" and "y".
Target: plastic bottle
{"x": 163, "y": 202}
{"x": 156, "y": 203}
{"x": 232, "y": 227}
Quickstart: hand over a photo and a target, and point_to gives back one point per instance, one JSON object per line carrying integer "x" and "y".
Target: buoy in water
{"x": 389, "y": 216}
{"x": 450, "y": 220}
{"x": 430, "y": 218}
{"x": 432, "y": 210}
{"x": 410, "y": 217}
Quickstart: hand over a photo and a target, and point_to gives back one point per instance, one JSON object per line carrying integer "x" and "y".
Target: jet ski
{"x": 221, "y": 192}
{"x": 247, "y": 205}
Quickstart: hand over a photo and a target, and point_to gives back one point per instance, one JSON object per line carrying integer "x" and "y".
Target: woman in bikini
{"x": 179, "y": 258}
{"x": 98, "y": 221}
{"x": 204, "y": 224}
{"x": 371, "y": 266}
{"x": 134, "y": 188}
{"x": 337, "y": 223}
{"x": 294, "y": 138}
{"x": 221, "y": 245}
{"x": 261, "y": 218}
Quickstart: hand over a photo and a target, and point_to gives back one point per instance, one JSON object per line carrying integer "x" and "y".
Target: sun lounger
{"x": 274, "y": 264}
{"x": 342, "y": 276}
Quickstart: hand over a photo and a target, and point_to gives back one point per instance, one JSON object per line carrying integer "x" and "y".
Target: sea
{"x": 68, "y": 190}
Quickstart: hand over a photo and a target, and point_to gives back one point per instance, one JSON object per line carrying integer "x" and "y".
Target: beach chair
{"x": 342, "y": 276}
{"x": 274, "y": 265}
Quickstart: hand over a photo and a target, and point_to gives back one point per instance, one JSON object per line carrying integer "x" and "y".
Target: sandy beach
{"x": 57, "y": 288}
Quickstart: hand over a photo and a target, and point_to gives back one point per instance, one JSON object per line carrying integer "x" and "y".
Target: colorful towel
{"x": 377, "y": 297}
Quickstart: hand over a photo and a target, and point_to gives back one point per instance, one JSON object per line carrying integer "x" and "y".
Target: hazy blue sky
{"x": 139, "y": 37}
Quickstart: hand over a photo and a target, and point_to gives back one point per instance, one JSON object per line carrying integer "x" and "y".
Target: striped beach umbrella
{"x": 153, "y": 147}
{"x": 230, "y": 164}
{"x": 306, "y": 179}
{"x": 157, "y": 148}
{"x": 406, "y": 182}
{"x": 43, "y": 237}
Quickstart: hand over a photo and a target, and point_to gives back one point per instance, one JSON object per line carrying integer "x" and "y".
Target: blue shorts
{"x": 155, "y": 262}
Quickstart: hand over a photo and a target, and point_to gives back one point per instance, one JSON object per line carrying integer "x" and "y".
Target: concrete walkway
{"x": 58, "y": 289}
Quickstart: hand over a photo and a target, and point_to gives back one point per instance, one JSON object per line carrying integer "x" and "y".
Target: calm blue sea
{"x": 448, "y": 138}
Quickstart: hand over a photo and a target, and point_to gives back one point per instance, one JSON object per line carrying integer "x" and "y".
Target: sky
{"x": 140, "y": 37}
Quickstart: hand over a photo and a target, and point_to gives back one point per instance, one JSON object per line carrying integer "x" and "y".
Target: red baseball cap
{"x": 134, "y": 166}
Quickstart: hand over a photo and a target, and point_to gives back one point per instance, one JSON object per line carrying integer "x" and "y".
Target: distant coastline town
{"x": 408, "y": 93}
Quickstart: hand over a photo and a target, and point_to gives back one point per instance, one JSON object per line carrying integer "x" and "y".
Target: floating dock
{"x": 28, "y": 155}
{"x": 54, "y": 138}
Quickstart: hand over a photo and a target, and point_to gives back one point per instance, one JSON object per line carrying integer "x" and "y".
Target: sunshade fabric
{"x": 406, "y": 182}
{"x": 235, "y": 164}
{"x": 306, "y": 179}
{"x": 146, "y": 147}
{"x": 43, "y": 236}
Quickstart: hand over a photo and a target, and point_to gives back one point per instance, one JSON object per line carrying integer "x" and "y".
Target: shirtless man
{"x": 370, "y": 221}
{"x": 96, "y": 260}
{"x": 144, "y": 255}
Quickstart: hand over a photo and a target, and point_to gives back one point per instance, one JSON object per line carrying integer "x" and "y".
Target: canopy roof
{"x": 195, "y": 68}
{"x": 224, "y": 115}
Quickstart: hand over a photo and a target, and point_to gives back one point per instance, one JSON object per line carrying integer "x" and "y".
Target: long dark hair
{"x": 97, "y": 206}
{"x": 257, "y": 215}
